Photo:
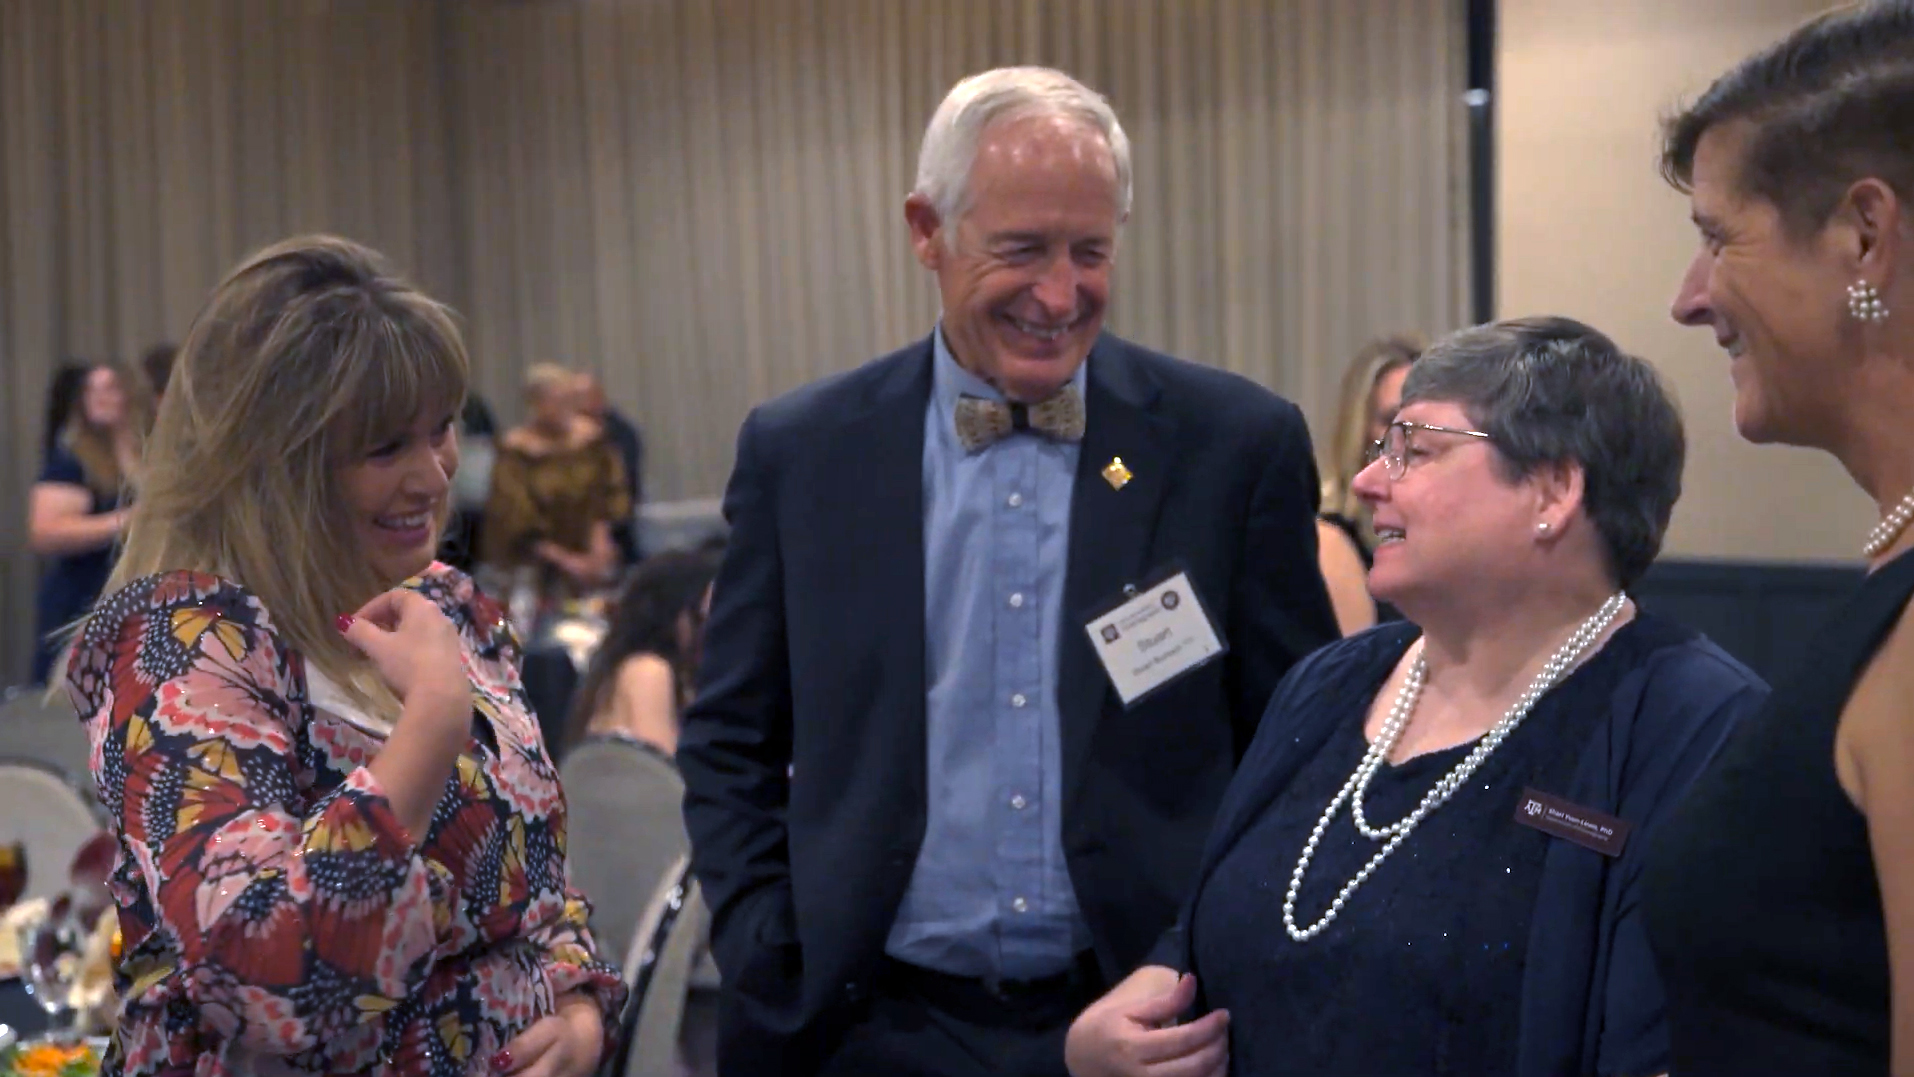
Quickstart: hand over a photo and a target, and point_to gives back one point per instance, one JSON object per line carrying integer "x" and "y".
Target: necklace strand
{"x": 1563, "y": 660}
{"x": 1889, "y": 528}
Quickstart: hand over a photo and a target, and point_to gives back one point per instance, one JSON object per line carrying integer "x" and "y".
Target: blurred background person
{"x": 75, "y": 509}
{"x": 1367, "y": 859}
{"x": 1345, "y": 540}
{"x": 63, "y": 395}
{"x": 643, "y": 675}
{"x": 157, "y": 365}
{"x": 622, "y": 433}
{"x": 624, "y": 797}
{"x": 558, "y": 486}
{"x": 472, "y": 486}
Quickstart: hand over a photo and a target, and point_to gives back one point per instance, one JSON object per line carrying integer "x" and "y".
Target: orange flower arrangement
{"x": 50, "y": 1060}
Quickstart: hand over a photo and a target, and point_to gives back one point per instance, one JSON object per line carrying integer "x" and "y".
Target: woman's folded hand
{"x": 1132, "y": 1031}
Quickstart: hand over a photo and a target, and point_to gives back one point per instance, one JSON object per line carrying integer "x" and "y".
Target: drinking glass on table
{"x": 52, "y": 952}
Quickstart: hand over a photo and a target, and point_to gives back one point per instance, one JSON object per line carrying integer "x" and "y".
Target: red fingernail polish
{"x": 344, "y": 621}
{"x": 502, "y": 1060}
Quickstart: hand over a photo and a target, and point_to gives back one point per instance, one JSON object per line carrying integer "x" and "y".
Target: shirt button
{"x": 1018, "y": 802}
{"x": 1018, "y": 700}
{"x": 1020, "y": 905}
{"x": 1014, "y": 500}
{"x": 1016, "y": 600}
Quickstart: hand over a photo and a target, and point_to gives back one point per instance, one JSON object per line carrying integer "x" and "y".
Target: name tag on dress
{"x": 1559, "y": 818}
{"x": 1154, "y": 635}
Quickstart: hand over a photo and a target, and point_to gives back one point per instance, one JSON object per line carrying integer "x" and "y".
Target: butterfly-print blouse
{"x": 275, "y": 915}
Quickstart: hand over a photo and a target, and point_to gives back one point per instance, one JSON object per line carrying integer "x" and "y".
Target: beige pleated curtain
{"x": 702, "y": 200}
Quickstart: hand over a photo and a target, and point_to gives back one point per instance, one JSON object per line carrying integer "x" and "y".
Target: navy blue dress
{"x": 1427, "y": 970}
{"x": 69, "y": 585}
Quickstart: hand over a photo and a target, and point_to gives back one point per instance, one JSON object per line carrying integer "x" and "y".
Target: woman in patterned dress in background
{"x": 342, "y": 844}
{"x": 558, "y": 498}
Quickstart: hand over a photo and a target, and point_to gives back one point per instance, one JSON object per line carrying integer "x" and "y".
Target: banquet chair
{"x": 31, "y": 727}
{"x": 624, "y": 801}
{"x": 669, "y": 1025}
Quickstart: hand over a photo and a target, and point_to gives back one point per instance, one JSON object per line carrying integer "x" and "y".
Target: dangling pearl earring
{"x": 1864, "y": 303}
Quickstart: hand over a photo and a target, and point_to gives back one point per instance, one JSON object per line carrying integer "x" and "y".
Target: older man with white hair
{"x": 998, "y": 615}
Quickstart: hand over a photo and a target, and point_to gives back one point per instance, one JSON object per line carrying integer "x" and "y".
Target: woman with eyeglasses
{"x": 1428, "y": 861}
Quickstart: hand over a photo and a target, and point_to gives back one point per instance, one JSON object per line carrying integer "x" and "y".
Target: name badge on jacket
{"x": 1154, "y": 635}
{"x": 1564, "y": 819}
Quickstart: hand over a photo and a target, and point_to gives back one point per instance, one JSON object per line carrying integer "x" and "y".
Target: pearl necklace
{"x": 1395, "y": 834}
{"x": 1890, "y": 527}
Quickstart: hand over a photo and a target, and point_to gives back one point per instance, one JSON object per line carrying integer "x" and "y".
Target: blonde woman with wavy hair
{"x": 77, "y": 508}
{"x": 341, "y": 840}
{"x": 1371, "y": 391}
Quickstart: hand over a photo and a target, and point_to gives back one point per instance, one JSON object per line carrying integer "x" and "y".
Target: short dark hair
{"x": 1830, "y": 104}
{"x": 63, "y": 396}
{"x": 158, "y": 364}
{"x": 1552, "y": 391}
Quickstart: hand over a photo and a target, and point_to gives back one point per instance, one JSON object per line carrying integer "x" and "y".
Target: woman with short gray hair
{"x": 1447, "y": 815}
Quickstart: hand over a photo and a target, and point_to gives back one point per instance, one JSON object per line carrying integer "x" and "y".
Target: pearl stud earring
{"x": 1864, "y": 303}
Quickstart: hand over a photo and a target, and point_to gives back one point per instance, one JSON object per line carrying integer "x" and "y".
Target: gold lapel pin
{"x": 1116, "y": 474}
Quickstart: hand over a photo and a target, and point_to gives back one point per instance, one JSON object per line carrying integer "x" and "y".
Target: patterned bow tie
{"x": 981, "y": 423}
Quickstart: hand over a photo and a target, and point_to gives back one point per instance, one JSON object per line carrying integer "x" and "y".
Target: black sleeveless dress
{"x": 1763, "y": 907}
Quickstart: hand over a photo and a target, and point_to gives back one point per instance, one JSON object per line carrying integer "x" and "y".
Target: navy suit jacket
{"x": 804, "y": 753}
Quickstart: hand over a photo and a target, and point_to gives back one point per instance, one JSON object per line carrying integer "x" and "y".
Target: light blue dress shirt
{"x": 991, "y": 895}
